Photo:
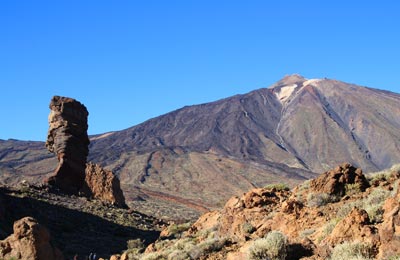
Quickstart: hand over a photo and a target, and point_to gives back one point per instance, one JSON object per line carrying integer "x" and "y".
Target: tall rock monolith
{"x": 67, "y": 138}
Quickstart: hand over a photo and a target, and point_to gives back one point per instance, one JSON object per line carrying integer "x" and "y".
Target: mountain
{"x": 198, "y": 156}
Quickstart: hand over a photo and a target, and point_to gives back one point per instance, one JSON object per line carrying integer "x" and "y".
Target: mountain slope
{"x": 197, "y": 156}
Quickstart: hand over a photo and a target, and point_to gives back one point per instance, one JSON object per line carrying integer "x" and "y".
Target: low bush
{"x": 319, "y": 199}
{"x": 277, "y": 186}
{"x": 352, "y": 188}
{"x": 273, "y": 247}
{"x": 355, "y": 250}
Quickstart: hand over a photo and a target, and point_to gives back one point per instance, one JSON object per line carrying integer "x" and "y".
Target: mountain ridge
{"x": 285, "y": 133}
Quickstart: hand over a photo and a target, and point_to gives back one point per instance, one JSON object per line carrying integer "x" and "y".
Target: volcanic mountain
{"x": 196, "y": 157}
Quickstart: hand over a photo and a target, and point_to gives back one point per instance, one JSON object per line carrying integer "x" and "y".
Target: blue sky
{"x": 129, "y": 61}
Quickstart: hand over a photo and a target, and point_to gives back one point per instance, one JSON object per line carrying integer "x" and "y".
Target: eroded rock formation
{"x": 30, "y": 241}
{"x": 67, "y": 138}
{"x": 334, "y": 182}
{"x": 104, "y": 185}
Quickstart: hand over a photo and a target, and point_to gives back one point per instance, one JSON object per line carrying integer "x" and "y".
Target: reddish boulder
{"x": 30, "y": 241}
{"x": 104, "y": 185}
{"x": 354, "y": 227}
{"x": 389, "y": 230}
{"x": 334, "y": 182}
{"x": 67, "y": 138}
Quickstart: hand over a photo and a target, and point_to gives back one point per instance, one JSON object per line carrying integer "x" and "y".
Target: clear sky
{"x": 129, "y": 61}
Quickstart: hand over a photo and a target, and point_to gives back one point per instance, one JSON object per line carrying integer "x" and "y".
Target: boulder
{"x": 30, "y": 241}
{"x": 389, "y": 229}
{"x": 104, "y": 185}
{"x": 354, "y": 227}
{"x": 334, "y": 182}
{"x": 67, "y": 138}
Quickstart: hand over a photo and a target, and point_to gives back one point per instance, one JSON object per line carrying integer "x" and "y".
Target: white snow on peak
{"x": 285, "y": 92}
{"x": 310, "y": 82}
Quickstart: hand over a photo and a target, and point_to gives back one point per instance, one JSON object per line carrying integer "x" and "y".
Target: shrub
{"x": 328, "y": 228}
{"x": 319, "y": 199}
{"x": 374, "y": 202}
{"x": 153, "y": 256}
{"x": 248, "y": 228}
{"x": 176, "y": 230}
{"x": 273, "y": 246}
{"x": 353, "y": 250}
{"x": 178, "y": 255}
{"x": 135, "y": 244}
{"x": 346, "y": 208}
{"x": 305, "y": 185}
{"x": 352, "y": 188}
{"x": 277, "y": 186}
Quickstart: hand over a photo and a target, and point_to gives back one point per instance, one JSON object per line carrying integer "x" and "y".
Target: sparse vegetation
{"x": 384, "y": 175}
{"x": 352, "y": 188}
{"x": 307, "y": 232}
{"x": 277, "y": 186}
{"x": 346, "y": 208}
{"x": 248, "y": 228}
{"x": 319, "y": 199}
{"x": 176, "y": 230}
{"x": 273, "y": 246}
{"x": 347, "y": 250}
{"x": 374, "y": 202}
{"x": 328, "y": 228}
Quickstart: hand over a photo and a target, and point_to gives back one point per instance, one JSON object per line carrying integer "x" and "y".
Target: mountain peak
{"x": 291, "y": 79}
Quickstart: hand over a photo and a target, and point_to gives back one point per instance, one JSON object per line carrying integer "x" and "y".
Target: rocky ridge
{"x": 312, "y": 221}
{"x": 77, "y": 225}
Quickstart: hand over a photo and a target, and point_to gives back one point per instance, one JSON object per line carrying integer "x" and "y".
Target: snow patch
{"x": 310, "y": 82}
{"x": 285, "y": 92}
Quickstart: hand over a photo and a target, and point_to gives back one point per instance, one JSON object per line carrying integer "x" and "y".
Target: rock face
{"x": 334, "y": 182}
{"x": 104, "y": 185}
{"x": 30, "y": 241}
{"x": 67, "y": 138}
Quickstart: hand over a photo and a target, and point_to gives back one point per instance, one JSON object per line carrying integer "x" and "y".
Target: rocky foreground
{"x": 41, "y": 224}
{"x": 342, "y": 214}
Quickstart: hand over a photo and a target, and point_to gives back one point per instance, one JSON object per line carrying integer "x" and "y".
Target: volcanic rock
{"x": 30, "y": 241}
{"x": 354, "y": 227}
{"x": 389, "y": 231}
{"x": 334, "y": 182}
{"x": 67, "y": 138}
{"x": 104, "y": 185}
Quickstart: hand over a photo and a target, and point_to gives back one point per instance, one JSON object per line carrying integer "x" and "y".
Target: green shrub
{"x": 353, "y": 250}
{"x": 154, "y": 256}
{"x": 248, "y": 228}
{"x": 346, "y": 208}
{"x": 277, "y": 186}
{"x": 352, "y": 188}
{"x": 319, "y": 199}
{"x": 328, "y": 228}
{"x": 374, "y": 202}
{"x": 176, "y": 230}
{"x": 135, "y": 244}
{"x": 273, "y": 247}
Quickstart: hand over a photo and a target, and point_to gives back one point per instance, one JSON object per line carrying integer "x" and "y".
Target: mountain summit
{"x": 311, "y": 124}
{"x": 197, "y": 156}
